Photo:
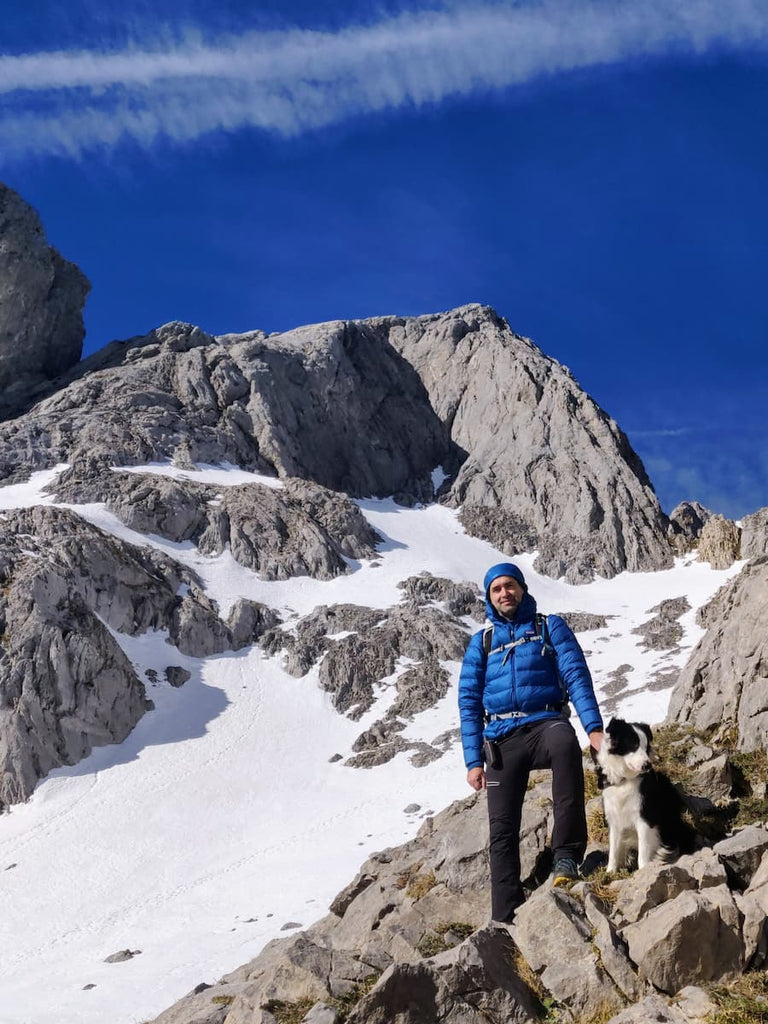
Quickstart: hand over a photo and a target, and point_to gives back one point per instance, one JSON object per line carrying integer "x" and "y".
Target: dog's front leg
{"x": 616, "y": 851}
{"x": 648, "y": 844}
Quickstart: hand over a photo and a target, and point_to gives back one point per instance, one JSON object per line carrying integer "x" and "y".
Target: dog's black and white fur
{"x": 642, "y": 807}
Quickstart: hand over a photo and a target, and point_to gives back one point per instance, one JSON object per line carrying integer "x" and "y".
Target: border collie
{"x": 642, "y": 807}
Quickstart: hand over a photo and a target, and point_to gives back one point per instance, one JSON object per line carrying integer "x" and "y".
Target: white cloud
{"x": 295, "y": 80}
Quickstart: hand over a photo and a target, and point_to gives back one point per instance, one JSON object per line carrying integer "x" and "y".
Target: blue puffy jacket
{"x": 521, "y": 678}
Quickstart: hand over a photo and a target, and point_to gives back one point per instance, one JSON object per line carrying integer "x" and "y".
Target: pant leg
{"x": 506, "y": 788}
{"x": 556, "y": 747}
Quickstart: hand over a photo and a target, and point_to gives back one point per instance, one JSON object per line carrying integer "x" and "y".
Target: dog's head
{"x": 625, "y": 751}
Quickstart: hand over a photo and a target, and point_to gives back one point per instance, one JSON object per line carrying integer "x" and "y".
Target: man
{"x": 516, "y": 680}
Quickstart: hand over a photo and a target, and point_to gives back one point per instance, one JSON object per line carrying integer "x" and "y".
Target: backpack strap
{"x": 487, "y": 638}
{"x": 542, "y": 635}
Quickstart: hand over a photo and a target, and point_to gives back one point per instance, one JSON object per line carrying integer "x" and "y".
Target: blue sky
{"x": 596, "y": 171}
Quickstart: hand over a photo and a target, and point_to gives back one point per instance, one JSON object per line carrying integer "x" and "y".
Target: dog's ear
{"x": 647, "y": 730}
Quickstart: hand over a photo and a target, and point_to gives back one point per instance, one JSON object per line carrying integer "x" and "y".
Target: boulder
{"x": 753, "y": 905}
{"x": 719, "y": 542}
{"x": 693, "y": 938}
{"x": 653, "y": 1008}
{"x": 611, "y": 949}
{"x": 476, "y": 983}
{"x": 567, "y": 962}
{"x": 742, "y": 853}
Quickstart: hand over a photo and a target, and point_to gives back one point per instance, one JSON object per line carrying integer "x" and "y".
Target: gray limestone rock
{"x": 723, "y": 685}
{"x": 476, "y": 983}
{"x": 653, "y": 1008}
{"x": 65, "y": 684}
{"x": 742, "y": 853}
{"x": 367, "y": 408}
{"x": 754, "y": 534}
{"x": 567, "y": 961}
{"x": 360, "y": 647}
{"x": 713, "y": 779}
{"x": 321, "y": 1013}
{"x": 333, "y": 404}
{"x": 299, "y": 529}
{"x": 538, "y": 449}
{"x": 753, "y": 905}
{"x": 686, "y": 521}
{"x": 658, "y": 883}
{"x": 408, "y": 940}
{"x": 582, "y": 622}
{"x": 693, "y": 938}
{"x": 121, "y": 956}
{"x": 176, "y": 675}
{"x": 206, "y": 1004}
{"x": 41, "y": 307}
{"x": 248, "y": 621}
{"x": 611, "y": 949}
{"x": 664, "y": 632}
{"x": 457, "y": 599}
{"x": 719, "y": 542}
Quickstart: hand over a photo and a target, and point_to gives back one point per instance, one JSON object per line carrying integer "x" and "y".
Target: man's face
{"x": 506, "y": 594}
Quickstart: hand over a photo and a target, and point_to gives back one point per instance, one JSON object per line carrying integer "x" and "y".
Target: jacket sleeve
{"x": 471, "y": 686}
{"x": 572, "y": 666}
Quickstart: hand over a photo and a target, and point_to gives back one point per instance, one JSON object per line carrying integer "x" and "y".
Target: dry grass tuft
{"x": 420, "y": 885}
{"x": 597, "y": 826}
{"x": 743, "y": 1001}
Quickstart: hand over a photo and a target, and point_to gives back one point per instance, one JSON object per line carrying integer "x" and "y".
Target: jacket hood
{"x": 503, "y": 569}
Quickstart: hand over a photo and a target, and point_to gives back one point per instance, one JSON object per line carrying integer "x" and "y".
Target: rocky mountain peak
{"x": 41, "y": 307}
{"x": 373, "y": 408}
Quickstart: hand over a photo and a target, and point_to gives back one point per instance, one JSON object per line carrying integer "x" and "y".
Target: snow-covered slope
{"x": 225, "y": 818}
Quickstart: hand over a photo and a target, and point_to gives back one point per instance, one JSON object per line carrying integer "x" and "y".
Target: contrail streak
{"x": 297, "y": 80}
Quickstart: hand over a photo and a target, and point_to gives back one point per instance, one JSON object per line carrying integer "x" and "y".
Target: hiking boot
{"x": 565, "y": 870}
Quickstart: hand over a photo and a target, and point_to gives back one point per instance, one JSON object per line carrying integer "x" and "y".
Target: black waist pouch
{"x": 492, "y": 754}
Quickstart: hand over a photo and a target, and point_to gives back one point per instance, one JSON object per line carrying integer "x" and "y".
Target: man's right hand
{"x": 476, "y": 778}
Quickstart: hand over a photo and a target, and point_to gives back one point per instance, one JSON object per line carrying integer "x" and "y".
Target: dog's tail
{"x": 668, "y": 854}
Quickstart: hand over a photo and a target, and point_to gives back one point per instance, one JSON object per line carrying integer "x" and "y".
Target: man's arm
{"x": 576, "y": 676}
{"x": 471, "y": 686}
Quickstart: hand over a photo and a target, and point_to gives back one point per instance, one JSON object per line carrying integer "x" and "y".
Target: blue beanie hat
{"x": 503, "y": 569}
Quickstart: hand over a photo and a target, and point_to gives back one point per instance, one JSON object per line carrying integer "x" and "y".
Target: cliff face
{"x": 539, "y": 451}
{"x": 372, "y": 407}
{"x": 41, "y": 307}
{"x": 723, "y": 685}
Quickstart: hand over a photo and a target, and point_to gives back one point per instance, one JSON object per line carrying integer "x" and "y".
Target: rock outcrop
{"x": 719, "y": 542}
{"x": 370, "y": 407}
{"x": 538, "y": 449}
{"x": 754, "y": 534}
{"x": 686, "y": 522}
{"x": 724, "y": 685}
{"x": 409, "y": 940}
{"x": 360, "y": 650}
{"x": 329, "y": 404}
{"x": 65, "y": 684}
{"x": 297, "y": 529}
{"x": 41, "y": 307}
